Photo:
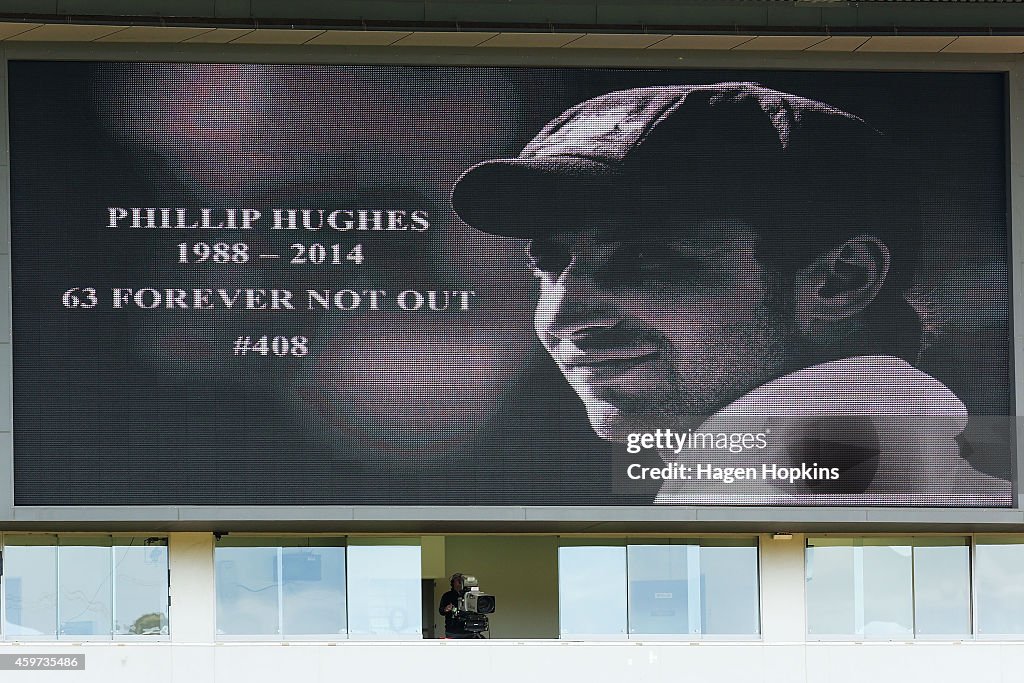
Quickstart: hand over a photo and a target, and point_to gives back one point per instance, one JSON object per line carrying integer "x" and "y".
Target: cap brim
{"x": 534, "y": 196}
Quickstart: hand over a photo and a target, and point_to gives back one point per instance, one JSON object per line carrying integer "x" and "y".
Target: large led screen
{"x": 389, "y": 285}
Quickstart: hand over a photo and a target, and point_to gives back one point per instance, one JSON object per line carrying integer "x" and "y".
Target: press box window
{"x": 1000, "y": 576}
{"x": 281, "y": 587}
{"x": 79, "y": 587}
{"x": 658, "y": 588}
{"x": 888, "y": 587}
{"x": 385, "y": 588}
{"x": 318, "y": 587}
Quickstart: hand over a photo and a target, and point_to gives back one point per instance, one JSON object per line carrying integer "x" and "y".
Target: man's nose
{"x": 573, "y": 306}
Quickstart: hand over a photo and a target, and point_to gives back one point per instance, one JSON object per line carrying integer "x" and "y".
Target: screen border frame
{"x": 540, "y": 518}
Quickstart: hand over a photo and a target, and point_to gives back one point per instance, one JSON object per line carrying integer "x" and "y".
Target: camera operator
{"x": 453, "y": 628}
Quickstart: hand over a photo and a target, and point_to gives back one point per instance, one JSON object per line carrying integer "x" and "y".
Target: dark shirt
{"x": 451, "y": 625}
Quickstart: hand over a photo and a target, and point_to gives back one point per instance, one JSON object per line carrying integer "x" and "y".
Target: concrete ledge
{"x": 515, "y": 519}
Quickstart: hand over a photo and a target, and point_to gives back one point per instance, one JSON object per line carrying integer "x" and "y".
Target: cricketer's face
{"x": 659, "y": 333}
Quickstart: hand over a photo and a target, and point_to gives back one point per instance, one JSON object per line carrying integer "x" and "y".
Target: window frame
{"x": 752, "y": 541}
{"x": 161, "y": 539}
{"x": 279, "y": 543}
{"x": 861, "y": 638}
{"x": 1019, "y": 538}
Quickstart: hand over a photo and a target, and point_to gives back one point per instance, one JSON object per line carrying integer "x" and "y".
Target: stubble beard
{"x": 739, "y": 358}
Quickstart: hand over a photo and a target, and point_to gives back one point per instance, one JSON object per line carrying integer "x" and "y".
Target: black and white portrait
{"x": 729, "y": 258}
{"x": 687, "y": 287}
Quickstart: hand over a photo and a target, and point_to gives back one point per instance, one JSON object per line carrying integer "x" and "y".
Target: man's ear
{"x": 840, "y": 283}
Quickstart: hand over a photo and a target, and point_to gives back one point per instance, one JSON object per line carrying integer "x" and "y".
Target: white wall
{"x": 512, "y": 662}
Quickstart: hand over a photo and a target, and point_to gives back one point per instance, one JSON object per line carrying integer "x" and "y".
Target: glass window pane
{"x": 1000, "y": 586}
{"x": 658, "y": 589}
{"x": 384, "y": 591}
{"x": 888, "y": 591}
{"x": 30, "y": 590}
{"x": 830, "y": 589}
{"x": 730, "y": 590}
{"x": 247, "y": 588}
{"x": 888, "y": 587}
{"x": 313, "y": 591}
{"x": 85, "y": 591}
{"x": 592, "y": 591}
{"x": 140, "y": 589}
{"x": 942, "y": 589}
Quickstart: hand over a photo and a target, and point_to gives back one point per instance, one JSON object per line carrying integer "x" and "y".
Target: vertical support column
{"x": 193, "y": 612}
{"x": 783, "y": 608}
{"x": 1015, "y": 86}
{"x": 6, "y": 311}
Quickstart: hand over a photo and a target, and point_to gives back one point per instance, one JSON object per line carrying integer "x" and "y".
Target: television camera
{"x": 473, "y": 607}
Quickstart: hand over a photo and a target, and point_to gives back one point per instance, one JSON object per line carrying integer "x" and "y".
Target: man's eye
{"x": 656, "y": 260}
{"x": 547, "y": 257}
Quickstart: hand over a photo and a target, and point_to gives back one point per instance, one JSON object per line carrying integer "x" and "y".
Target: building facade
{"x": 268, "y": 390}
